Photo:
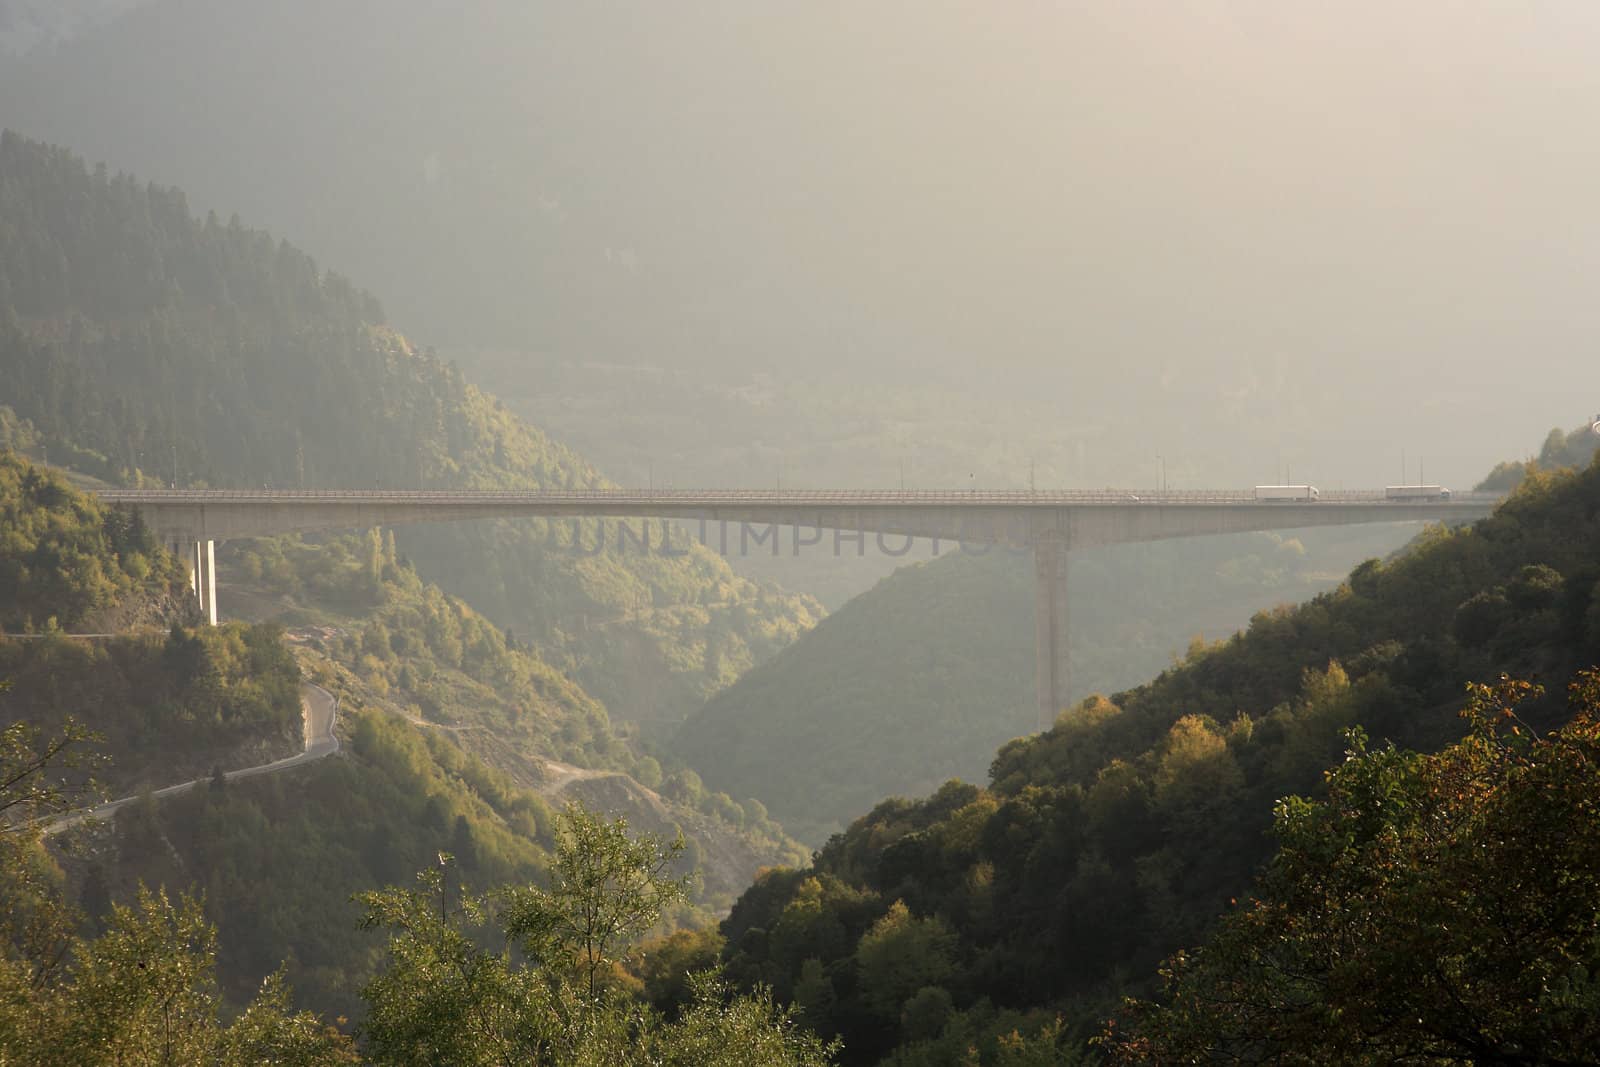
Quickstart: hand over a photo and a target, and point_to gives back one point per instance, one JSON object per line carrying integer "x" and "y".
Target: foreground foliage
{"x": 542, "y": 995}
{"x": 280, "y": 857}
{"x": 1433, "y": 909}
{"x": 142, "y": 992}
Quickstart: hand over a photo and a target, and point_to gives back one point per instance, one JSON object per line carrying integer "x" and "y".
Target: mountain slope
{"x": 449, "y": 734}
{"x": 924, "y": 676}
{"x": 64, "y": 557}
{"x": 143, "y": 344}
{"x": 1119, "y": 835}
{"x": 280, "y": 857}
{"x": 401, "y": 644}
{"x": 172, "y": 704}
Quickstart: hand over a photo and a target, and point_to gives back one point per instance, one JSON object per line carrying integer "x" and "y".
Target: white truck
{"x": 1278, "y": 494}
{"x": 1416, "y": 493}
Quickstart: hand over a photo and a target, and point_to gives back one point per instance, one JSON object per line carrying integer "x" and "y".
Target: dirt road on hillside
{"x": 318, "y": 711}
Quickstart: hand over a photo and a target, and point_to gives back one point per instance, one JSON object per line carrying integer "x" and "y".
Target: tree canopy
{"x": 144, "y": 990}
{"x": 64, "y": 557}
{"x": 1433, "y": 908}
{"x": 542, "y": 992}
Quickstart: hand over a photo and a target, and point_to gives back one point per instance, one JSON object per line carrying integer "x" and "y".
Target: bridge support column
{"x": 208, "y": 583}
{"x": 201, "y": 559}
{"x": 1051, "y": 667}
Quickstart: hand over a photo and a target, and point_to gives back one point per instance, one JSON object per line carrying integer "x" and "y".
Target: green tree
{"x": 1536, "y": 586}
{"x": 1480, "y": 617}
{"x": 36, "y": 925}
{"x": 668, "y": 966}
{"x": 442, "y": 998}
{"x": 900, "y": 955}
{"x": 1435, "y": 908}
{"x": 722, "y": 1030}
{"x": 606, "y": 888}
{"x": 541, "y": 996}
{"x": 144, "y": 991}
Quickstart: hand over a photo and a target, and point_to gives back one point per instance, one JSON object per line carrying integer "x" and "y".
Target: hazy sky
{"x": 1340, "y": 228}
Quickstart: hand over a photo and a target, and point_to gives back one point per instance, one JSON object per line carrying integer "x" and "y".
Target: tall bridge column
{"x": 1051, "y": 666}
{"x": 208, "y": 580}
{"x": 201, "y": 559}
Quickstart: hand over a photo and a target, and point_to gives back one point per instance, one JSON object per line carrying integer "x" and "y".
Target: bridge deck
{"x": 987, "y": 498}
{"x": 1048, "y": 522}
{"x": 1079, "y": 517}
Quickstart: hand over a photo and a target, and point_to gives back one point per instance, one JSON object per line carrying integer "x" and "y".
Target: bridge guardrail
{"x": 769, "y": 497}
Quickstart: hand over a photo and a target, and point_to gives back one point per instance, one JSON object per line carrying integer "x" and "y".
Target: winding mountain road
{"x": 318, "y": 711}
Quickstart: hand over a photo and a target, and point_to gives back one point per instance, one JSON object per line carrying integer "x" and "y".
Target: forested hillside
{"x": 170, "y": 705}
{"x": 450, "y": 735}
{"x": 524, "y": 973}
{"x": 428, "y": 657}
{"x": 68, "y": 562}
{"x": 352, "y": 598}
{"x": 143, "y": 346}
{"x": 279, "y": 857}
{"x": 140, "y": 344}
{"x": 1432, "y": 907}
{"x": 1118, "y": 836}
{"x": 1561, "y": 448}
{"x": 923, "y": 677}
{"x": 450, "y": 741}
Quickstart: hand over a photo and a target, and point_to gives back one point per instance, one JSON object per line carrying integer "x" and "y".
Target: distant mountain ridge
{"x": 141, "y": 344}
{"x": 959, "y": 201}
{"x": 31, "y": 26}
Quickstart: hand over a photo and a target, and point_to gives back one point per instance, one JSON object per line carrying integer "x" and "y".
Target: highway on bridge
{"x": 1049, "y": 522}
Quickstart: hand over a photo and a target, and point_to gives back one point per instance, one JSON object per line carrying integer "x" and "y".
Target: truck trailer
{"x": 1416, "y": 492}
{"x": 1276, "y": 494}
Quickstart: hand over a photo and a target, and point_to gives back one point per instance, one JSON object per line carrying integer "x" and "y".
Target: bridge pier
{"x": 200, "y": 556}
{"x": 1051, "y": 662}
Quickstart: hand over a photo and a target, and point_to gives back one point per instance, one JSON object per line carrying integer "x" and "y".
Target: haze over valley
{"x": 907, "y": 534}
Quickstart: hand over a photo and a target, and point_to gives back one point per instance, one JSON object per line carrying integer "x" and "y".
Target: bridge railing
{"x": 767, "y": 497}
{"x": 690, "y": 498}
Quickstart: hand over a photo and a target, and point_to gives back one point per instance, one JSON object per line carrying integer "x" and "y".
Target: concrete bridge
{"x": 1049, "y": 523}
